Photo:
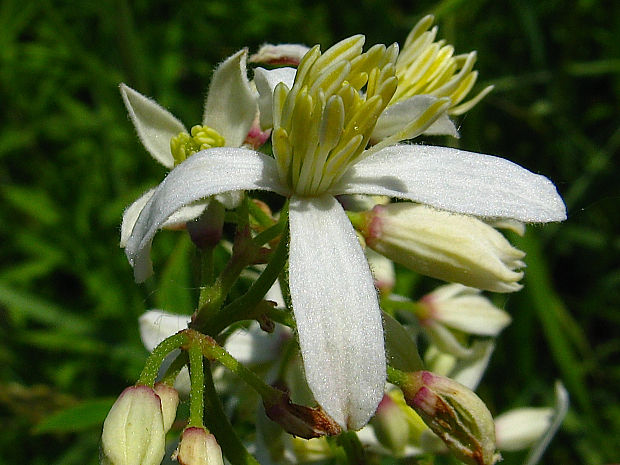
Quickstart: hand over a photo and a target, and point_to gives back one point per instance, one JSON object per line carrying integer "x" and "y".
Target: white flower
{"x": 322, "y": 126}
{"x": 169, "y": 143}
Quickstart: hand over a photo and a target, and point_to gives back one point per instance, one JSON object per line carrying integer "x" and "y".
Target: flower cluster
{"x": 340, "y": 125}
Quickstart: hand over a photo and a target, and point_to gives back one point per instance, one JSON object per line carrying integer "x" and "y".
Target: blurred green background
{"x": 70, "y": 162}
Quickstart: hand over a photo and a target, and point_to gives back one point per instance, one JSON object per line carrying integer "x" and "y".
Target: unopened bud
{"x": 133, "y": 432}
{"x": 444, "y": 245}
{"x": 198, "y": 447}
{"x": 280, "y": 54}
{"x": 206, "y": 230}
{"x": 299, "y": 420}
{"x": 455, "y": 414}
{"x": 382, "y": 271}
{"x": 390, "y": 425}
{"x": 463, "y": 308}
{"x": 169, "y": 402}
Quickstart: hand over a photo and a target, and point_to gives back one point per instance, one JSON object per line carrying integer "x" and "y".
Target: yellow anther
{"x": 323, "y": 123}
{"x": 183, "y": 145}
{"x": 429, "y": 67}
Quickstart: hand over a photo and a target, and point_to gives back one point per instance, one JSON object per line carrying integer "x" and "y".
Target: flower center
{"x": 323, "y": 123}
{"x": 202, "y": 137}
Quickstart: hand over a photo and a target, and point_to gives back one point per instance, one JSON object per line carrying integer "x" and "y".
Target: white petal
{"x": 473, "y": 314}
{"x": 185, "y": 214}
{"x": 253, "y": 345}
{"x": 457, "y": 181}
{"x": 336, "y": 310}
{"x": 469, "y": 371}
{"x": 395, "y": 117}
{"x": 231, "y": 105}
{"x": 520, "y": 428}
{"x": 130, "y": 215}
{"x": 206, "y": 173}
{"x": 266, "y": 81}
{"x": 157, "y": 325}
{"x": 155, "y": 125}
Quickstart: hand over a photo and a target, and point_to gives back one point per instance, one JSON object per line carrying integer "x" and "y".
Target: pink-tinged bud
{"x": 206, "y": 230}
{"x": 280, "y": 54}
{"x": 256, "y": 136}
{"x": 444, "y": 245}
{"x": 390, "y": 425}
{"x": 198, "y": 447}
{"x": 305, "y": 422}
{"x": 133, "y": 432}
{"x": 455, "y": 414}
{"x": 463, "y": 308}
{"x": 169, "y": 402}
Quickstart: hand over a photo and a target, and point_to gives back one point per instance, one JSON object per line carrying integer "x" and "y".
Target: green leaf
{"x": 86, "y": 415}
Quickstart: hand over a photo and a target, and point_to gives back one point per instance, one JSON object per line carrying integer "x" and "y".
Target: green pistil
{"x": 202, "y": 137}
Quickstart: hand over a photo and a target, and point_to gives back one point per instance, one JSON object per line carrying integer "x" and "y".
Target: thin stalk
{"x": 352, "y": 447}
{"x": 220, "y": 426}
{"x": 243, "y": 307}
{"x": 154, "y": 361}
{"x": 213, "y": 351}
{"x": 196, "y": 394}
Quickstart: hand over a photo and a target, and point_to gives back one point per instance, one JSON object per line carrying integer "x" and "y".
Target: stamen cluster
{"x": 323, "y": 123}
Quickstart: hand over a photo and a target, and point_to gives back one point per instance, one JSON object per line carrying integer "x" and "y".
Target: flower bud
{"x": 444, "y": 245}
{"x": 520, "y": 428}
{"x": 382, "y": 271}
{"x": 198, "y": 447}
{"x": 133, "y": 432}
{"x": 206, "y": 230}
{"x": 299, "y": 420}
{"x": 169, "y": 402}
{"x": 390, "y": 425}
{"x": 455, "y": 414}
{"x": 463, "y": 308}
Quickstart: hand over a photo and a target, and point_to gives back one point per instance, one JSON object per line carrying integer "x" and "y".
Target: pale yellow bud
{"x": 198, "y": 447}
{"x": 169, "y": 402}
{"x": 443, "y": 245}
{"x": 455, "y": 414}
{"x": 133, "y": 432}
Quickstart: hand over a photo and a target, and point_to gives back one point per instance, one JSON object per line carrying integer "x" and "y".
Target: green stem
{"x": 397, "y": 377}
{"x": 352, "y": 447}
{"x": 175, "y": 367}
{"x": 269, "y": 234}
{"x": 220, "y": 426}
{"x": 196, "y": 395}
{"x": 242, "y": 307}
{"x": 207, "y": 273}
{"x": 213, "y": 351}
{"x": 258, "y": 214}
{"x": 151, "y": 368}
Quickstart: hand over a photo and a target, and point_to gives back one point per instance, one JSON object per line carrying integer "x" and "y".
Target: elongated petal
{"x": 266, "y": 82}
{"x": 130, "y": 215}
{"x": 231, "y": 103}
{"x": 154, "y": 124}
{"x": 210, "y": 172}
{"x": 457, "y": 181}
{"x": 336, "y": 310}
{"x": 396, "y": 117}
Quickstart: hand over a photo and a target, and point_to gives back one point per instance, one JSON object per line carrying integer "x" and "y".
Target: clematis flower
{"x": 169, "y": 143}
{"x": 321, "y": 129}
